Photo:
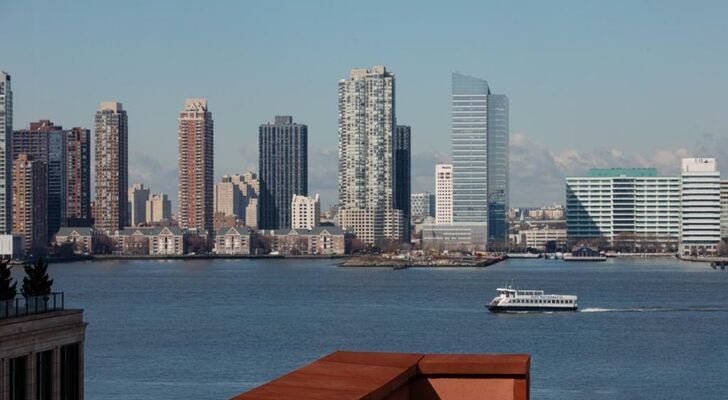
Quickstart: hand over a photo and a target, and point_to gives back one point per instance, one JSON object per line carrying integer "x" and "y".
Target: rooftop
{"x": 617, "y": 172}
{"x": 345, "y": 375}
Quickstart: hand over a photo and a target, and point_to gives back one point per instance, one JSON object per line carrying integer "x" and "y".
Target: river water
{"x": 212, "y": 329}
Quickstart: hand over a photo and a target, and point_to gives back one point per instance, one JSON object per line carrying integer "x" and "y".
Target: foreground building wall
{"x": 42, "y": 356}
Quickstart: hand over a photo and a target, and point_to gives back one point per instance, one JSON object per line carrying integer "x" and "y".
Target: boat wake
{"x": 654, "y": 309}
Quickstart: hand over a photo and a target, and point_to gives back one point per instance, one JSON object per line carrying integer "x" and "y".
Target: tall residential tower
{"x": 283, "y": 169}
{"x": 112, "y": 167}
{"x": 6, "y": 158}
{"x": 366, "y": 171}
{"x": 196, "y": 167}
{"x": 402, "y": 184}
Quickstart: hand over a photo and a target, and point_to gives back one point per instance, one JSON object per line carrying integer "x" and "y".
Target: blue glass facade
{"x": 479, "y": 158}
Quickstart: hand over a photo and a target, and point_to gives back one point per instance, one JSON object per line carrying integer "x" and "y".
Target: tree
{"x": 36, "y": 282}
{"x": 7, "y": 291}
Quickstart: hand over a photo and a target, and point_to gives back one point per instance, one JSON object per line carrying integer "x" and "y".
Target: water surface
{"x": 212, "y": 329}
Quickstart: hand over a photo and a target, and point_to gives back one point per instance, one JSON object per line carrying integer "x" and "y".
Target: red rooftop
{"x": 345, "y": 375}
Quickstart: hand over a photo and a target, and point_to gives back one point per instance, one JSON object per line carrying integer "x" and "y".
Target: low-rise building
{"x": 167, "y": 240}
{"x": 80, "y": 238}
{"x": 234, "y": 241}
{"x": 330, "y": 240}
{"x": 540, "y": 238}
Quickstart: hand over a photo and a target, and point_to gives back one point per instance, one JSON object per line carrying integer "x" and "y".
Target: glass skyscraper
{"x": 479, "y": 159}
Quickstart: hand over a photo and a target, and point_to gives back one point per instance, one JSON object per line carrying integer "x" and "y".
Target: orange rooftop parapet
{"x": 345, "y": 375}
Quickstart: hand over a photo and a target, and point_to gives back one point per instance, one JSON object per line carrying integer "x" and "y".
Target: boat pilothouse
{"x": 515, "y": 300}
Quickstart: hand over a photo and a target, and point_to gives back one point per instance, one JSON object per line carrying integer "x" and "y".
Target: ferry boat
{"x": 515, "y": 300}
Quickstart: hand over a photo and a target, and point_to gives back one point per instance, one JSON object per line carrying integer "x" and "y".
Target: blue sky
{"x": 590, "y": 83}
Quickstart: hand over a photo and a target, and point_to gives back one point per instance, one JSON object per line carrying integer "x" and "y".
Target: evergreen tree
{"x": 7, "y": 291}
{"x": 36, "y": 282}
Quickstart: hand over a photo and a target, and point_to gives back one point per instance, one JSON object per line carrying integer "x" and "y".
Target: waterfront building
{"x": 283, "y": 168}
{"x": 480, "y": 159}
{"x": 138, "y": 197}
{"x": 366, "y": 170}
{"x": 78, "y": 177}
{"x": 402, "y": 182}
{"x": 443, "y": 194}
{"x": 228, "y": 197}
{"x": 81, "y": 239}
{"x": 46, "y": 142}
{"x": 156, "y": 241}
{"x": 422, "y": 205}
{"x": 724, "y": 209}
{"x": 196, "y": 167}
{"x": 112, "y": 167}
{"x": 540, "y": 238}
{"x": 6, "y": 159}
{"x": 235, "y": 240}
{"x": 30, "y": 207}
{"x": 623, "y": 204}
{"x": 158, "y": 209}
{"x": 321, "y": 240}
{"x": 700, "y": 196}
{"x": 305, "y": 212}
{"x": 41, "y": 349}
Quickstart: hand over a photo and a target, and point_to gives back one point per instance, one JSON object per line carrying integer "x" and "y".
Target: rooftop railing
{"x": 21, "y": 306}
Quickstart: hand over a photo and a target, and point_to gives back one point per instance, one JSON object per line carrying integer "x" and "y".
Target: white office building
{"x": 724, "y": 209}
{"x": 305, "y": 212}
{"x": 700, "y": 195}
{"x": 422, "y": 205}
{"x": 629, "y": 204}
{"x": 443, "y": 194}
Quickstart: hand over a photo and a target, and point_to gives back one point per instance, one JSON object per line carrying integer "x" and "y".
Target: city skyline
{"x": 553, "y": 129}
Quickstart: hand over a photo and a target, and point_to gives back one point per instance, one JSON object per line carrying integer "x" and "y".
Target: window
{"x": 70, "y": 374}
{"x": 17, "y": 378}
{"x": 44, "y": 375}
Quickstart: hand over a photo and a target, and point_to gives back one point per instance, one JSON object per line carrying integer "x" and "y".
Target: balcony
{"x": 21, "y": 306}
{"x": 347, "y": 375}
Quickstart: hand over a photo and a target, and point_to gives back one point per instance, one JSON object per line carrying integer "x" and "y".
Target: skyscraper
{"x": 29, "y": 203}
{"x": 112, "y": 167}
{"x": 6, "y": 158}
{"x": 498, "y": 173}
{"x": 700, "y": 199}
{"x": 78, "y": 177}
{"x": 443, "y": 194}
{"x": 283, "y": 168}
{"x": 366, "y": 171}
{"x": 46, "y": 142}
{"x": 196, "y": 166}
{"x": 402, "y": 185}
{"x": 479, "y": 145}
{"x": 138, "y": 196}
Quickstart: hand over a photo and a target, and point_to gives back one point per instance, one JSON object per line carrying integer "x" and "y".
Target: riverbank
{"x": 182, "y": 257}
{"x": 382, "y": 262}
